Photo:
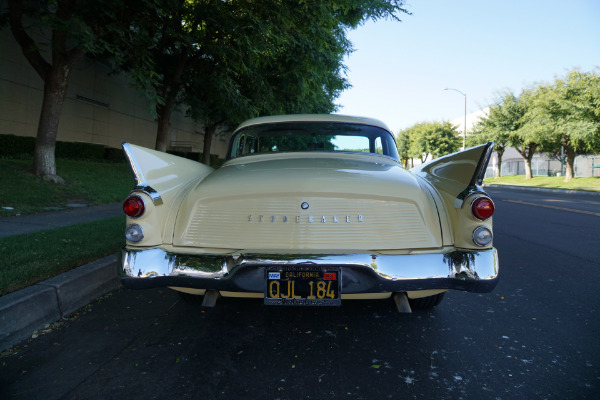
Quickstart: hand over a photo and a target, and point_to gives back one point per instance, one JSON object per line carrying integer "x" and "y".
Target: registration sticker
{"x": 329, "y": 276}
{"x": 274, "y": 275}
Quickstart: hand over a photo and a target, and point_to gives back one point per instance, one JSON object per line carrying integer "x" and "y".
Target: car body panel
{"x": 457, "y": 178}
{"x": 161, "y": 181}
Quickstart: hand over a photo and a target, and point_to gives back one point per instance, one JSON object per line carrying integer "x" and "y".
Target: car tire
{"x": 426, "y": 303}
{"x": 195, "y": 299}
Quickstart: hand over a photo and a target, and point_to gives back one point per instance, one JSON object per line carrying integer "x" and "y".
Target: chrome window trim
{"x": 393, "y": 149}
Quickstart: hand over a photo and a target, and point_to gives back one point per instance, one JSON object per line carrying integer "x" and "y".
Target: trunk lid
{"x": 313, "y": 202}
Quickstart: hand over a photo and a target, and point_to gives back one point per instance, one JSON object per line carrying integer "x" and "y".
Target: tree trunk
{"x": 169, "y": 90}
{"x": 55, "y": 77}
{"x": 527, "y": 152}
{"x": 528, "y": 174}
{"x": 570, "y": 167}
{"x": 55, "y": 91}
{"x": 531, "y": 148}
{"x": 209, "y": 131}
{"x": 500, "y": 153}
{"x": 162, "y": 131}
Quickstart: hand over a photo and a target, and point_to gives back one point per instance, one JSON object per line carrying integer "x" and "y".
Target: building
{"x": 100, "y": 107}
{"x": 471, "y": 120}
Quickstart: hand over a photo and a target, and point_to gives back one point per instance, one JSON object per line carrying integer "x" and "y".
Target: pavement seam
{"x": 58, "y": 302}
{"x": 55, "y": 294}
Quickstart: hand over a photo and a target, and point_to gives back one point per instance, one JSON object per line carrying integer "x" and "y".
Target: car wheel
{"x": 189, "y": 298}
{"x": 425, "y": 303}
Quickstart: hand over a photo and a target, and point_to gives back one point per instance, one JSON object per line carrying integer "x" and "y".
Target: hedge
{"x": 21, "y": 147}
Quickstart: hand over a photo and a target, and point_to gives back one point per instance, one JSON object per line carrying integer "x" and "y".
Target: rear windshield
{"x": 312, "y": 136}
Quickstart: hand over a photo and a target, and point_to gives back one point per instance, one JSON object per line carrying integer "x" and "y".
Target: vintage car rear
{"x": 310, "y": 210}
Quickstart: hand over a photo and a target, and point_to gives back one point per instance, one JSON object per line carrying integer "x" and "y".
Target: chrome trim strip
{"x": 482, "y": 165}
{"x": 138, "y": 175}
{"x": 467, "y": 270}
{"x": 135, "y": 167}
{"x": 156, "y": 199}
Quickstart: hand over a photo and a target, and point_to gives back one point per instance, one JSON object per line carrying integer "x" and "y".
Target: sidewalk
{"x": 20, "y": 224}
{"x": 26, "y": 310}
{"x": 542, "y": 189}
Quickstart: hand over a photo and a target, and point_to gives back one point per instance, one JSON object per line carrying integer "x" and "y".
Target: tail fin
{"x": 457, "y": 174}
{"x": 157, "y": 173}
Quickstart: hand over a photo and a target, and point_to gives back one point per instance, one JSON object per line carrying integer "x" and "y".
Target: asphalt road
{"x": 534, "y": 337}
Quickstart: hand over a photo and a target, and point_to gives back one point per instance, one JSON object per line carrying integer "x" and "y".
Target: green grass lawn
{"x": 554, "y": 182}
{"x": 30, "y": 258}
{"x": 87, "y": 182}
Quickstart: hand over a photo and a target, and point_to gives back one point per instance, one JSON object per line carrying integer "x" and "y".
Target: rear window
{"x": 312, "y": 136}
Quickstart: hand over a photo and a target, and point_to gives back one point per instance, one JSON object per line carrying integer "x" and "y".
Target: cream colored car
{"x": 310, "y": 210}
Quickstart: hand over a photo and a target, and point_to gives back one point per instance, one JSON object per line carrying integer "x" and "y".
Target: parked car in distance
{"x": 310, "y": 210}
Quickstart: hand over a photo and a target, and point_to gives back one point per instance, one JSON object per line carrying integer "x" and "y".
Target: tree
{"x": 523, "y": 135}
{"x": 68, "y": 30}
{"x": 409, "y": 137}
{"x": 215, "y": 99}
{"x": 403, "y": 146}
{"x": 269, "y": 56}
{"x": 173, "y": 37}
{"x": 568, "y": 114}
{"x": 267, "y": 81}
{"x": 502, "y": 120}
{"x": 433, "y": 139}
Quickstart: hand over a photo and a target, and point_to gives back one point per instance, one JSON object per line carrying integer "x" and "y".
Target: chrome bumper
{"x": 472, "y": 271}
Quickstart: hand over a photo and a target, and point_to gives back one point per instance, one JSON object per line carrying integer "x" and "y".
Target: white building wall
{"x": 472, "y": 119}
{"x": 99, "y": 108}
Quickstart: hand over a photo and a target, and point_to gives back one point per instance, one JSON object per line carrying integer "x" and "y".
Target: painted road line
{"x": 554, "y": 207}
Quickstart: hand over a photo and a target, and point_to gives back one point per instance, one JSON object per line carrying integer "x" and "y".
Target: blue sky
{"x": 399, "y": 69}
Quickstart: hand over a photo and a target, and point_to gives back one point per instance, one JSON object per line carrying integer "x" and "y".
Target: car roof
{"x": 314, "y": 118}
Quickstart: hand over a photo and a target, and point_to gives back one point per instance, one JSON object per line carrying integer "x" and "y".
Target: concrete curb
{"x": 29, "y": 309}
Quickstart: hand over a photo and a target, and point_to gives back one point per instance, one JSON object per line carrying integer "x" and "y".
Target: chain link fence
{"x": 584, "y": 167}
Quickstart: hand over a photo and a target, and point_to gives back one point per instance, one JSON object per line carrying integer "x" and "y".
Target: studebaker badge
{"x": 309, "y": 219}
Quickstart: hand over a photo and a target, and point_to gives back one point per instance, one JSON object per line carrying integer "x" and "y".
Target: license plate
{"x": 302, "y": 286}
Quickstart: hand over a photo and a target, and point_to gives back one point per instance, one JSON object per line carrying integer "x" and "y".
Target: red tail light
{"x": 482, "y": 208}
{"x": 133, "y": 206}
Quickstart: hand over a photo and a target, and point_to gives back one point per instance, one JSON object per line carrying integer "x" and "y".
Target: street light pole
{"x": 465, "y": 126}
